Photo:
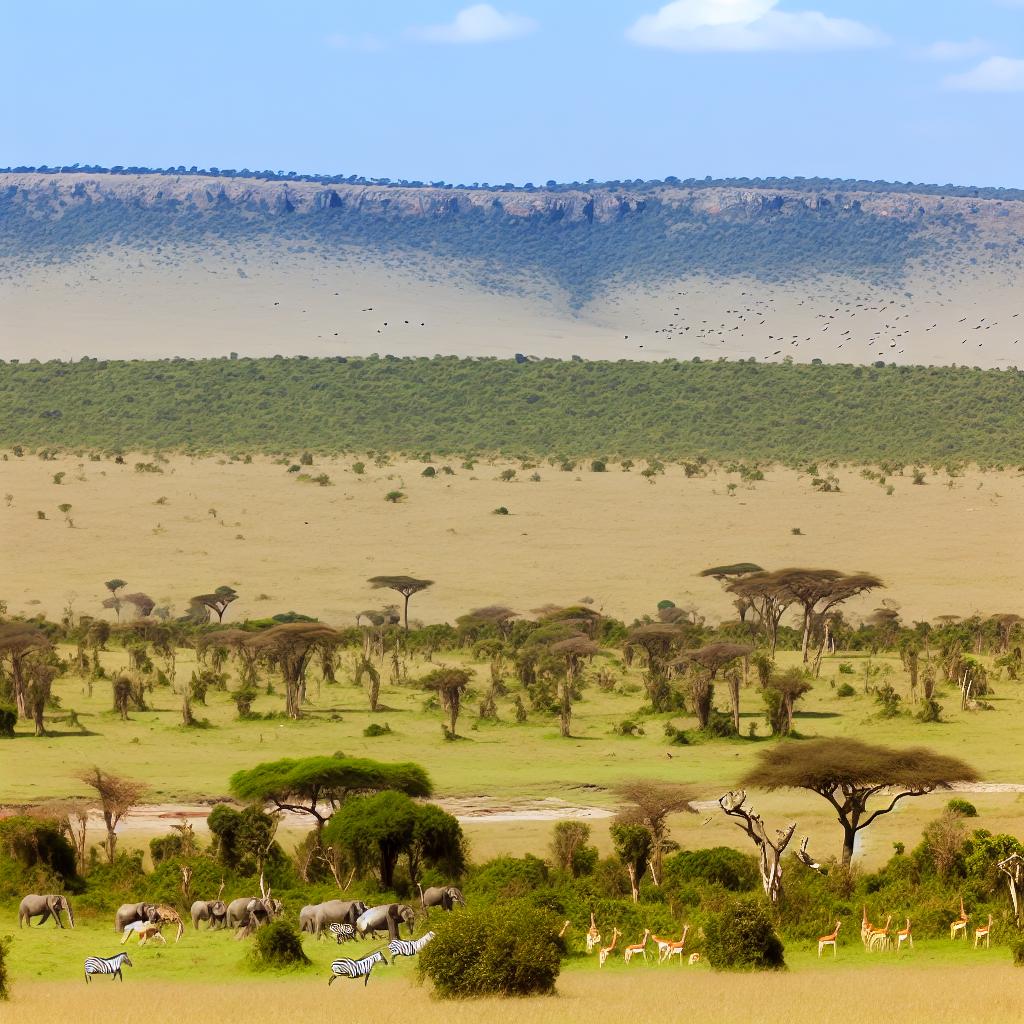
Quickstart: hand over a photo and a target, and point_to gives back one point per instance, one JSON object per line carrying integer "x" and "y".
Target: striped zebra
{"x": 348, "y": 968}
{"x": 403, "y": 947}
{"x": 106, "y": 965}
{"x": 343, "y": 932}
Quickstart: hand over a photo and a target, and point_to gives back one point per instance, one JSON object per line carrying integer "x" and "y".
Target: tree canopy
{"x": 307, "y": 784}
{"x": 848, "y": 773}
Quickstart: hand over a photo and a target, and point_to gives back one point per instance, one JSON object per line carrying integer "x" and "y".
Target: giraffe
{"x": 829, "y": 940}
{"x": 593, "y": 935}
{"x": 960, "y": 924}
{"x": 640, "y": 947}
{"x": 606, "y": 951}
{"x": 982, "y": 933}
{"x": 903, "y": 935}
{"x": 565, "y": 928}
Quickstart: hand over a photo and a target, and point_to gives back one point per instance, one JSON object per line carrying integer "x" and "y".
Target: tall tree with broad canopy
{"x": 726, "y": 574}
{"x": 849, "y": 774}
{"x": 761, "y": 592}
{"x": 218, "y": 601}
{"x": 404, "y": 585}
{"x": 450, "y": 685}
{"x": 570, "y": 655}
{"x": 289, "y": 647}
{"x": 117, "y": 796}
{"x": 713, "y": 658}
{"x": 659, "y": 642}
{"x": 309, "y": 784}
{"x": 23, "y": 646}
{"x": 649, "y": 804}
{"x": 377, "y": 830}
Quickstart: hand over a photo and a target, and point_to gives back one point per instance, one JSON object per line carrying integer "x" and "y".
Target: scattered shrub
{"x": 359, "y": 468}
{"x": 930, "y": 710}
{"x": 5, "y": 948}
{"x": 627, "y": 727}
{"x": 429, "y": 472}
{"x": 374, "y": 729}
{"x": 8, "y": 720}
{"x": 278, "y": 945}
{"x": 501, "y": 510}
{"x": 508, "y": 949}
{"x": 741, "y": 937}
{"x": 845, "y": 690}
{"x": 962, "y": 807}
{"x": 394, "y": 497}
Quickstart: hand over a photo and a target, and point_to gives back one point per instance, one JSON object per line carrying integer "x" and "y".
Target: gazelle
{"x": 640, "y": 947}
{"x": 960, "y": 924}
{"x": 878, "y": 938}
{"x": 865, "y": 928}
{"x": 593, "y": 935}
{"x": 981, "y": 934}
{"x": 676, "y": 948}
{"x": 606, "y": 951}
{"x": 903, "y": 935}
{"x": 829, "y": 940}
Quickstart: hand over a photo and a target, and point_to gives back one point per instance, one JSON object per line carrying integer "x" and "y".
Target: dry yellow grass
{"x": 613, "y": 537}
{"x": 983, "y": 994}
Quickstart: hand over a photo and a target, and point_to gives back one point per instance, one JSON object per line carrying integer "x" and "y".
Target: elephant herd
{"x": 251, "y": 912}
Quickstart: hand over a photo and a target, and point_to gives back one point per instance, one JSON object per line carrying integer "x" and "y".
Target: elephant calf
{"x": 44, "y": 907}
{"x": 213, "y": 911}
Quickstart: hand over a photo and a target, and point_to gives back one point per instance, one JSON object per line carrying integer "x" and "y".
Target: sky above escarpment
{"x": 522, "y": 90}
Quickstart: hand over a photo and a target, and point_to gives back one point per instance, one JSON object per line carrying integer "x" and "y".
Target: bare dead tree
{"x": 117, "y": 795}
{"x": 769, "y": 850}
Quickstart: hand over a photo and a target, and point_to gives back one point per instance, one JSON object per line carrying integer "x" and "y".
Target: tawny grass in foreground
{"x": 981, "y": 995}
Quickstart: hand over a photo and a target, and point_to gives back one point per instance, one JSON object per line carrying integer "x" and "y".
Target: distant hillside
{"x": 88, "y": 257}
{"x": 795, "y": 414}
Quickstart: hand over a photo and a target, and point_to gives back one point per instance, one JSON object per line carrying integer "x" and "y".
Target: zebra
{"x": 106, "y": 965}
{"x": 348, "y": 968}
{"x": 343, "y": 932}
{"x": 402, "y": 947}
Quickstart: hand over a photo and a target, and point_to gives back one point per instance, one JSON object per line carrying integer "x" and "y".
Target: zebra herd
{"x": 346, "y": 967}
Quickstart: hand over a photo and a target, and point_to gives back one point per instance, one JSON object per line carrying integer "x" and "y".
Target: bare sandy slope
{"x": 614, "y": 537}
{"x": 267, "y": 300}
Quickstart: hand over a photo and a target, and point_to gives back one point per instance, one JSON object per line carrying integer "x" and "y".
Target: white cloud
{"x": 364, "y": 42}
{"x": 994, "y": 74}
{"x": 946, "y": 50}
{"x": 747, "y": 26}
{"x": 480, "y": 23}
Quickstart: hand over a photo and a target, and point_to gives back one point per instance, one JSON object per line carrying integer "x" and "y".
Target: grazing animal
{"x": 443, "y": 896}
{"x": 694, "y": 958}
{"x": 343, "y": 932}
{"x": 386, "y": 918}
{"x": 878, "y": 938}
{"x": 606, "y": 951}
{"x": 903, "y": 935}
{"x": 982, "y": 933}
{"x": 407, "y": 947}
{"x": 676, "y": 948}
{"x": 348, "y": 968}
{"x": 44, "y": 907}
{"x": 960, "y": 924}
{"x": 106, "y": 965}
{"x": 593, "y": 935}
{"x": 145, "y": 930}
{"x": 640, "y": 947}
{"x": 829, "y": 940}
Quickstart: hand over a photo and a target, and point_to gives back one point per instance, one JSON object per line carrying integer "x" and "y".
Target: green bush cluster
{"x": 278, "y": 946}
{"x": 742, "y": 938}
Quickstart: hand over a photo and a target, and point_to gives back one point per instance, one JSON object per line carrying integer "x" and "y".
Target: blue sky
{"x": 523, "y": 90}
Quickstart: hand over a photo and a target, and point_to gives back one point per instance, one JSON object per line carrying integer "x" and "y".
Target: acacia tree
{"x": 22, "y": 645}
{"x": 142, "y": 603}
{"x": 633, "y": 845}
{"x": 849, "y": 774}
{"x": 117, "y": 796}
{"x": 318, "y": 786}
{"x": 781, "y": 691}
{"x": 649, "y": 804}
{"x": 761, "y": 592}
{"x": 726, "y": 574}
{"x": 450, "y": 685}
{"x": 659, "y": 641}
{"x": 404, "y": 585}
{"x": 713, "y": 658}
{"x": 818, "y": 591}
{"x": 570, "y": 655}
{"x": 289, "y": 647}
{"x": 217, "y": 602}
{"x": 114, "y": 601}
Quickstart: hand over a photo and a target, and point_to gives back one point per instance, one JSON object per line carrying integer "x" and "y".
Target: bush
{"x": 719, "y": 865}
{"x": 373, "y": 729}
{"x": 1017, "y": 948}
{"x": 501, "y": 510}
{"x": 742, "y": 938}
{"x": 8, "y": 720}
{"x": 508, "y": 949}
{"x": 5, "y": 948}
{"x": 845, "y": 690}
{"x": 930, "y": 711}
{"x": 962, "y": 807}
{"x": 278, "y": 945}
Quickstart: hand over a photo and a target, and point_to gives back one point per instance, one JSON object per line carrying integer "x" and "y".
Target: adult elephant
{"x": 128, "y": 913}
{"x": 252, "y": 910}
{"x": 44, "y": 907}
{"x": 213, "y": 911}
{"x": 336, "y": 912}
{"x": 443, "y": 896}
{"x": 386, "y": 918}
{"x": 307, "y": 918}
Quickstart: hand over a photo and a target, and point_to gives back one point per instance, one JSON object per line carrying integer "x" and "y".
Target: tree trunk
{"x": 807, "y": 635}
{"x": 292, "y": 705}
{"x": 849, "y": 838}
{"x": 566, "y": 715}
{"x": 632, "y": 882}
{"x": 405, "y": 613}
{"x": 733, "y": 680}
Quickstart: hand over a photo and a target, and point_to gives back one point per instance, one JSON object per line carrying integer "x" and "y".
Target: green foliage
{"x": 508, "y": 949}
{"x": 720, "y": 865}
{"x": 5, "y": 949}
{"x": 241, "y": 838}
{"x": 742, "y": 938}
{"x": 845, "y": 690}
{"x": 962, "y": 807}
{"x": 508, "y": 878}
{"x": 8, "y": 720}
{"x": 1017, "y": 950}
{"x": 790, "y": 413}
{"x": 376, "y": 729}
{"x": 38, "y": 843}
{"x": 930, "y": 711}
{"x": 278, "y": 946}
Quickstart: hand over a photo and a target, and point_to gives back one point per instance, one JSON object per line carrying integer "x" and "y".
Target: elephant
{"x": 336, "y": 912}
{"x": 251, "y": 910}
{"x": 44, "y": 907}
{"x": 129, "y": 912}
{"x": 214, "y": 911}
{"x": 443, "y": 896}
{"x": 307, "y": 918}
{"x": 386, "y": 918}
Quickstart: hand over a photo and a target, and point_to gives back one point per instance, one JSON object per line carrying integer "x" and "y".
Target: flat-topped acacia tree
{"x": 310, "y": 785}
{"x": 849, "y": 774}
{"x": 289, "y": 647}
{"x": 713, "y": 658}
{"x": 405, "y": 585}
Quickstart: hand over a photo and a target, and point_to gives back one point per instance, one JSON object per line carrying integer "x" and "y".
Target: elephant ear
{"x": 219, "y": 908}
